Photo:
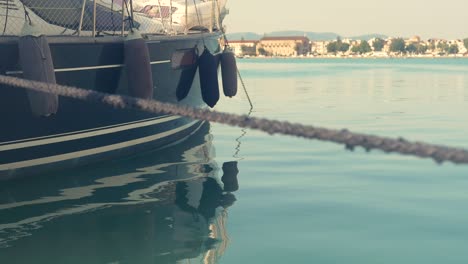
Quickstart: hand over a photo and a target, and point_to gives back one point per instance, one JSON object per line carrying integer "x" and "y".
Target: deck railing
{"x": 109, "y": 17}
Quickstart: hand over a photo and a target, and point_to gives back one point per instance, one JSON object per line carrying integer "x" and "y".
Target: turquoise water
{"x": 298, "y": 201}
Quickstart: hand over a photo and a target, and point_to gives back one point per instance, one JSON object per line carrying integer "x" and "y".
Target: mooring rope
{"x": 349, "y": 139}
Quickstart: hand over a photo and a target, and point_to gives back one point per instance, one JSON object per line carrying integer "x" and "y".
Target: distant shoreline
{"x": 355, "y": 57}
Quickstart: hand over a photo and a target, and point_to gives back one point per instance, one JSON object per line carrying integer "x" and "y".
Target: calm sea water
{"x": 294, "y": 201}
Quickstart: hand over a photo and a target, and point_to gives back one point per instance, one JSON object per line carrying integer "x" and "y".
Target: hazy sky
{"x": 405, "y": 18}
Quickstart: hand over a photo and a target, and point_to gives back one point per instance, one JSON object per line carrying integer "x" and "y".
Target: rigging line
{"x": 245, "y": 90}
{"x": 186, "y": 18}
{"x": 351, "y": 140}
{"x": 220, "y": 22}
{"x": 226, "y": 44}
{"x": 6, "y": 16}
{"x": 130, "y": 16}
{"x": 217, "y": 15}
{"x": 199, "y": 22}
{"x": 131, "y": 10}
{"x": 26, "y": 15}
{"x": 161, "y": 16}
{"x": 172, "y": 25}
{"x": 112, "y": 18}
{"x": 63, "y": 31}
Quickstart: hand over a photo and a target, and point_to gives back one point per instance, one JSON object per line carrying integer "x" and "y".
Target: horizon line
{"x": 341, "y": 35}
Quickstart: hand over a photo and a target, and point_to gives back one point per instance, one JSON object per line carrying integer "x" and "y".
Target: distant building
{"x": 461, "y": 47}
{"x": 244, "y": 47}
{"x": 388, "y": 43}
{"x": 284, "y": 46}
{"x": 414, "y": 39}
{"x": 297, "y": 46}
{"x": 319, "y": 47}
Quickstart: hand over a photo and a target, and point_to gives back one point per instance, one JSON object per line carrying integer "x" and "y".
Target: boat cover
{"x": 67, "y": 13}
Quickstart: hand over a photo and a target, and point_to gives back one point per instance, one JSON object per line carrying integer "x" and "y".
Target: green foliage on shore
{"x": 331, "y": 47}
{"x": 421, "y": 49}
{"x": 299, "y": 50}
{"x": 362, "y": 48}
{"x": 378, "y": 44}
{"x": 465, "y": 42}
{"x": 246, "y": 50}
{"x": 337, "y": 46}
{"x": 262, "y": 51}
{"x": 411, "y": 48}
{"x": 344, "y": 47}
{"x": 453, "y": 49}
{"x": 443, "y": 47}
{"x": 416, "y": 48}
{"x": 398, "y": 45}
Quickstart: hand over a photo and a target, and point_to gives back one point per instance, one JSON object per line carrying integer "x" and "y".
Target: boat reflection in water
{"x": 167, "y": 206}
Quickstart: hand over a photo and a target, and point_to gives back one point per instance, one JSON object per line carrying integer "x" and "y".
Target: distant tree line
{"x": 246, "y": 50}
{"x": 361, "y": 48}
{"x": 337, "y": 46}
{"x": 378, "y": 44}
{"x": 397, "y": 46}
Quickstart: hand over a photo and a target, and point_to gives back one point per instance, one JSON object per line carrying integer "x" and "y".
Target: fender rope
{"x": 351, "y": 140}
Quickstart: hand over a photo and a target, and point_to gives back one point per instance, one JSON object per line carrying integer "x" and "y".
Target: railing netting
{"x": 110, "y": 17}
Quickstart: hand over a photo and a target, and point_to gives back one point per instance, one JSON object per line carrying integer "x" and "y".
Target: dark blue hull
{"x": 81, "y": 133}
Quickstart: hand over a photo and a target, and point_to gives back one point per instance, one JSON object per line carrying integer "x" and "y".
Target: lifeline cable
{"x": 349, "y": 139}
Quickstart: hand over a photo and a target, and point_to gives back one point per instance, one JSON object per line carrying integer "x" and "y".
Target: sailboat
{"x": 136, "y": 48}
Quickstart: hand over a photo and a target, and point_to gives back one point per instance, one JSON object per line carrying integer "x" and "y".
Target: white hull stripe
{"x": 93, "y": 133}
{"x": 90, "y": 67}
{"x": 94, "y": 151}
{"x": 80, "y": 131}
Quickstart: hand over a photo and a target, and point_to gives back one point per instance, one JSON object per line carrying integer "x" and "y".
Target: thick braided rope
{"x": 349, "y": 139}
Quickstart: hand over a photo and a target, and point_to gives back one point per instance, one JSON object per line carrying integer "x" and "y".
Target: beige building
{"x": 414, "y": 39}
{"x": 284, "y": 46}
{"x": 244, "y": 47}
{"x": 319, "y": 47}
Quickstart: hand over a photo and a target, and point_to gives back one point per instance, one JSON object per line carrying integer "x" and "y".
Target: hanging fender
{"x": 189, "y": 59}
{"x": 185, "y": 82}
{"x": 208, "y": 70}
{"x": 138, "y": 66}
{"x": 36, "y": 61}
{"x": 229, "y": 73}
